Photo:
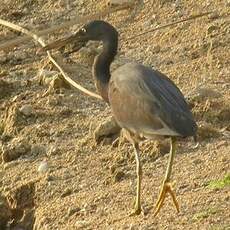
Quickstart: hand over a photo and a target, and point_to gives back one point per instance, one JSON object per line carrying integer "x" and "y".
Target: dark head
{"x": 97, "y": 30}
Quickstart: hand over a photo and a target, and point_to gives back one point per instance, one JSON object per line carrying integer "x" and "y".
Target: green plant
{"x": 218, "y": 184}
{"x": 204, "y": 214}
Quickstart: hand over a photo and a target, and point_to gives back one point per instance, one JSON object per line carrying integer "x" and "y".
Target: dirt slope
{"x": 89, "y": 186}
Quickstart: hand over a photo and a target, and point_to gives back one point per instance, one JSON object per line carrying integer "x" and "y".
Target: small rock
{"x": 156, "y": 49}
{"x": 224, "y": 114}
{"x": 113, "y": 168}
{"x": 17, "y": 14}
{"x": 53, "y": 101}
{"x": 43, "y": 167}
{"x": 20, "y": 55}
{"x": 50, "y": 178}
{"x": 119, "y": 176}
{"x": 52, "y": 79}
{"x": 213, "y": 15}
{"x": 59, "y": 82}
{"x": 52, "y": 151}
{"x": 163, "y": 147}
{"x": 18, "y": 98}
{"x": 11, "y": 164}
{"x": 107, "y": 141}
{"x": 197, "y": 161}
{"x": 22, "y": 196}
{"x": 5, "y": 88}
{"x": 194, "y": 54}
{"x": 67, "y": 192}
{"x": 153, "y": 49}
{"x": 177, "y": 4}
{"x": 134, "y": 227}
{"x": 18, "y": 147}
{"x": 81, "y": 224}
{"x": 78, "y": 2}
{"x": 3, "y": 57}
{"x": 119, "y": 2}
{"x": 221, "y": 144}
{"x": 72, "y": 211}
{"x": 212, "y": 28}
{"x": 108, "y": 128}
{"x": 224, "y": 73}
{"x": 183, "y": 186}
{"x": 27, "y": 220}
{"x": 45, "y": 76}
{"x": 227, "y": 198}
{"x": 206, "y": 130}
{"x": 148, "y": 23}
{"x": 201, "y": 94}
{"x": 168, "y": 61}
{"x": 5, "y": 212}
{"x": 65, "y": 111}
{"x": 27, "y": 110}
{"x": 38, "y": 149}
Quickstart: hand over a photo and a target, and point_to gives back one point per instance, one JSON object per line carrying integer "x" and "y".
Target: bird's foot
{"x": 137, "y": 211}
{"x": 166, "y": 188}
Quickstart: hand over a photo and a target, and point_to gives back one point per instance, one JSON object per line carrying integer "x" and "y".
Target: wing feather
{"x": 146, "y": 99}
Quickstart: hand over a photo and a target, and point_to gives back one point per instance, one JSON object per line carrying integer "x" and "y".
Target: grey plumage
{"x": 146, "y": 101}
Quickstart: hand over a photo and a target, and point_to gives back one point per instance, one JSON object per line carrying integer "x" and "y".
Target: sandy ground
{"x": 92, "y": 186}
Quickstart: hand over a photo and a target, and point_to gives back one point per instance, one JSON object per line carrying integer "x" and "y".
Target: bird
{"x": 144, "y": 102}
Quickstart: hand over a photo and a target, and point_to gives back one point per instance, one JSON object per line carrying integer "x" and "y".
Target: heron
{"x": 144, "y": 101}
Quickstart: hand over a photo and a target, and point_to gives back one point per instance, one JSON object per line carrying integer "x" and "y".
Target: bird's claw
{"x": 166, "y": 188}
{"x": 136, "y": 212}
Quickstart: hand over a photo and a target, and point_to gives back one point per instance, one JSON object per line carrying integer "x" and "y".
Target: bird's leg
{"x": 166, "y": 186}
{"x": 137, "y": 207}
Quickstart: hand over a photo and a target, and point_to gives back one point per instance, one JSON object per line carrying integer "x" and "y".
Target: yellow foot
{"x": 136, "y": 211}
{"x": 166, "y": 188}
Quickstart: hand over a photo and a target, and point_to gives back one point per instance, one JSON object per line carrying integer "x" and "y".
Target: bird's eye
{"x": 83, "y": 30}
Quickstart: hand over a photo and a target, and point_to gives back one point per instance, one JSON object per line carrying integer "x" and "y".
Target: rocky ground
{"x": 58, "y": 171}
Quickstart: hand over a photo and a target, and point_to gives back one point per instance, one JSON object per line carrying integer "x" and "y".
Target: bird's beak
{"x": 78, "y": 40}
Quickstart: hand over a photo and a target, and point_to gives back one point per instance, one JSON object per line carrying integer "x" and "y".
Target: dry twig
{"x": 170, "y": 24}
{"x": 52, "y": 59}
{"x": 36, "y": 37}
{"x": 82, "y": 19}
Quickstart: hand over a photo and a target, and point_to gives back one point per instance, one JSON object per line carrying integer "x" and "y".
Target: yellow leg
{"x": 166, "y": 186}
{"x": 137, "y": 207}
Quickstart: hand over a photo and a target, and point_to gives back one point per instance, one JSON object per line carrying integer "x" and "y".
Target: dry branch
{"x": 58, "y": 65}
{"x": 170, "y": 24}
{"x": 77, "y": 20}
{"x": 82, "y": 19}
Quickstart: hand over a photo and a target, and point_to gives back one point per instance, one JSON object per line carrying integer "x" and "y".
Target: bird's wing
{"x": 148, "y": 98}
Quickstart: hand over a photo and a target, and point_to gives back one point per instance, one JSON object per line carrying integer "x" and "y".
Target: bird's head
{"x": 97, "y": 30}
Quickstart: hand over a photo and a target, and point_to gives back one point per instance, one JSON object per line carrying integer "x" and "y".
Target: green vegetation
{"x": 218, "y": 184}
{"x": 204, "y": 214}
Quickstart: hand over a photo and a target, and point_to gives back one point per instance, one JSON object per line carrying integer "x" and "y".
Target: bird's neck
{"x": 101, "y": 67}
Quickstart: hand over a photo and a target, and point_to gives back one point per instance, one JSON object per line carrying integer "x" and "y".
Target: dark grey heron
{"x": 144, "y": 102}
